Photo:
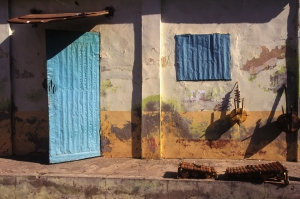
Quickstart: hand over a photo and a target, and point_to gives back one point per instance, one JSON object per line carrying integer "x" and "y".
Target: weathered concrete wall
{"x": 263, "y": 43}
{"x": 5, "y": 86}
{"x": 150, "y": 134}
{"x": 120, "y": 74}
{"x": 298, "y": 146}
{"x": 145, "y": 112}
{"x": 103, "y": 187}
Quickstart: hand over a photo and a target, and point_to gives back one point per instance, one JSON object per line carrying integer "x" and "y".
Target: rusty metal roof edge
{"x": 45, "y": 18}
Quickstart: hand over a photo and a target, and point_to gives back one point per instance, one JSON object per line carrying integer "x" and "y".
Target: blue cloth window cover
{"x": 203, "y": 57}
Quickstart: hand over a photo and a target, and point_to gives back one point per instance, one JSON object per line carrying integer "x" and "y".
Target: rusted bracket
{"x": 238, "y": 115}
{"x": 288, "y": 122}
{"x": 46, "y": 18}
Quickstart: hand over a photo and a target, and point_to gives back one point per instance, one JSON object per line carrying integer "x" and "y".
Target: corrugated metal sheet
{"x": 73, "y": 94}
{"x": 203, "y": 57}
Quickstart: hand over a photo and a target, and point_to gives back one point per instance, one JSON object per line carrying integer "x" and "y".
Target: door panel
{"x": 73, "y": 95}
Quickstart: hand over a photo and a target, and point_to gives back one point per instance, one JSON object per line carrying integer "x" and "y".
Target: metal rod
{"x": 286, "y": 98}
{"x": 242, "y": 106}
{"x": 235, "y": 105}
{"x": 238, "y": 96}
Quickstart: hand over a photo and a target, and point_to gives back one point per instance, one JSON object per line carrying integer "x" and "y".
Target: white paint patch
{"x": 197, "y": 96}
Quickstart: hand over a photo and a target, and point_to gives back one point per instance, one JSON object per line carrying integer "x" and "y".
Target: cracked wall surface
{"x": 120, "y": 74}
{"x": 145, "y": 111}
{"x": 263, "y": 59}
{"x": 90, "y": 187}
{"x": 5, "y": 84}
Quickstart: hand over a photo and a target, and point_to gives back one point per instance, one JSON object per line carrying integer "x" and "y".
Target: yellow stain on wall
{"x": 120, "y": 134}
{"x": 31, "y": 134}
{"x": 256, "y": 138}
{"x": 193, "y": 135}
{"x": 151, "y": 138}
{"x": 182, "y": 135}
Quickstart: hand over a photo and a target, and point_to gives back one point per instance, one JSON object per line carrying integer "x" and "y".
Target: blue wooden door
{"x": 73, "y": 95}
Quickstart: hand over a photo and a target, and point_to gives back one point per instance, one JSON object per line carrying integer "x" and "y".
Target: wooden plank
{"x": 45, "y": 18}
{"x": 62, "y": 15}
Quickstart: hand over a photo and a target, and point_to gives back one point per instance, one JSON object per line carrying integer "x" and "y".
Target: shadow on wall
{"x": 5, "y": 100}
{"x": 247, "y": 12}
{"x": 205, "y": 12}
{"x": 136, "y": 95}
{"x": 292, "y": 41}
{"x": 219, "y": 127}
{"x": 62, "y": 42}
{"x": 262, "y": 136}
{"x": 29, "y": 76}
{"x": 37, "y": 45}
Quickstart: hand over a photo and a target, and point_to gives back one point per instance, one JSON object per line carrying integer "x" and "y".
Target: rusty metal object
{"x": 288, "y": 122}
{"x": 188, "y": 170}
{"x": 238, "y": 115}
{"x": 45, "y": 18}
{"x": 273, "y": 171}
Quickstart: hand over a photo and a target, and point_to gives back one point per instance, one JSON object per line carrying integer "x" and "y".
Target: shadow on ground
{"x": 41, "y": 159}
{"x": 170, "y": 174}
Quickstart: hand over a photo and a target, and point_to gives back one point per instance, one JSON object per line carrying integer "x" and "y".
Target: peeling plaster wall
{"x": 195, "y": 121}
{"x": 120, "y": 73}
{"x": 5, "y": 87}
{"x": 298, "y": 54}
{"x": 150, "y": 134}
{"x": 145, "y": 112}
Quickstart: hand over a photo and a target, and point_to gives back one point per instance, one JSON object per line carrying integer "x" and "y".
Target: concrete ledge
{"x": 102, "y": 187}
{"x": 31, "y": 177}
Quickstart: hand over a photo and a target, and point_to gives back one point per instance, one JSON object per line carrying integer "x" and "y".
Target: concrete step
{"x": 32, "y": 177}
